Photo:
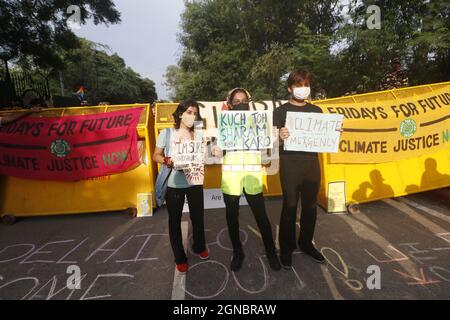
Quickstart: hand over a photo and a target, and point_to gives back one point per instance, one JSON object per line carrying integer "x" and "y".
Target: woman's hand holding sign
{"x": 168, "y": 162}
{"x": 216, "y": 151}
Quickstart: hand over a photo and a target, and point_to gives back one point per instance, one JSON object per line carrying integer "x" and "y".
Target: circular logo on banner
{"x": 60, "y": 148}
{"x": 408, "y": 128}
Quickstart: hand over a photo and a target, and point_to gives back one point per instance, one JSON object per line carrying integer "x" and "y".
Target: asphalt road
{"x": 406, "y": 239}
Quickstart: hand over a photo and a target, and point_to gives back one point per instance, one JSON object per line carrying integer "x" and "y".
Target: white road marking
{"x": 430, "y": 211}
{"x": 179, "y": 279}
{"x": 277, "y": 243}
{"x": 254, "y": 231}
{"x": 413, "y": 214}
{"x": 331, "y": 284}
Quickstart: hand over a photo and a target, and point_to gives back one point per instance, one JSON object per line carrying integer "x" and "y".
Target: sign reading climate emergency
{"x": 313, "y": 132}
{"x": 70, "y": 147}
{"x": 392, "y": 130}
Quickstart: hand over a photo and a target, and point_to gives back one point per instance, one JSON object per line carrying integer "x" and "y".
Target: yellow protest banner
{"x": 391, "y": 130}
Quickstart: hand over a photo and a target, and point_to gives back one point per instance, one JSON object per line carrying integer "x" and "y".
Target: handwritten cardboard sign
{"x": 245, "y": 130}
{"x": 313, "y": 132}
{"x": 195, "y": 175}
{"x": 189, "y": 157}
{"x": 188, "y": 153}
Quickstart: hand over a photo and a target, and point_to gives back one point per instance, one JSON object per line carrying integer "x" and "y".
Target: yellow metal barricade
{"x": 21, "y": 197}
{"x": 370, "y": 182}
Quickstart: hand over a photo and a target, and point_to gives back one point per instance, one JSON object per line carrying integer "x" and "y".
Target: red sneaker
{"x": 204, "y": 255}
{"x": 182, "y": 267}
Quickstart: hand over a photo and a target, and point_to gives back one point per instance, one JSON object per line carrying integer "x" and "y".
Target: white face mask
{"x": 188, "y": 120}
{"x": 301, "y": 93}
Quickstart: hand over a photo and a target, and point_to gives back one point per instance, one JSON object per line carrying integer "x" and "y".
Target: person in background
{"x": 242, "y": 173}
{"x": 186, "y": 114}
{"x": 37, "y": 103}
{"x": 395, "y": 78}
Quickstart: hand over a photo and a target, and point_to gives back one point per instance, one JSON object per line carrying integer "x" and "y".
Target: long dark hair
{"x": 182, "y": 107}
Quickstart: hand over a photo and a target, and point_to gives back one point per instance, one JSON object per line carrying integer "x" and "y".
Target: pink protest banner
{"x": 70, "y": 148}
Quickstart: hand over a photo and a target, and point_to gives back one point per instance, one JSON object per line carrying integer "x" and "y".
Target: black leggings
{"x": 175, "y": 203}
{"x": 258, "y": 208}
{"x": 300, "y": 178}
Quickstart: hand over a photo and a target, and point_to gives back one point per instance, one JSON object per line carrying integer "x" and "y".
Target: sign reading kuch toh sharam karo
{"x": 245, "y": 130}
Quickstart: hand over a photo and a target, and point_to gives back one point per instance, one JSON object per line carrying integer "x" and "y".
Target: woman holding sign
{"x": 242, "y": 173}
{"x": 181, "y": 149}
{"x": 300, "y": 176}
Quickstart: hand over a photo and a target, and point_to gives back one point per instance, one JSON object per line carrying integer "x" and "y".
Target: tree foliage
{"x": 105, "y": 77}
{"x": 35, "y": 31}
{"x": 36, "y": 36}
{"x": 254, "y": 43}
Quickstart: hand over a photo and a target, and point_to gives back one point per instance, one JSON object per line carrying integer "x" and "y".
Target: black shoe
{"x": 286, "y": 261}
{"x": 313, "y": 253}
{"x": 274, "y": 262}
{"x": 236, "y": 262}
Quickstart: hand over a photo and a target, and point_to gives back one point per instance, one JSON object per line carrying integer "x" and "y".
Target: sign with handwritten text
{"x": 313, "y": 132}
{"x": 245, "y": 130}
{"x": 186, "y": 154}
{"x": 189, "y": 157}
{"x": 195, "y": 174}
